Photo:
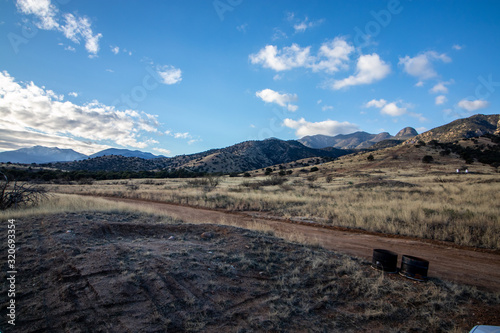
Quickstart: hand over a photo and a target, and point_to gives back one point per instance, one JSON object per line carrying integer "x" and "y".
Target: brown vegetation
{"x": 133, "y": 273}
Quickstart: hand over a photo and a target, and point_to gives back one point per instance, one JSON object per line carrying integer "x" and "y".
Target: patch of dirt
{"x": 99, "y": 272}
{"x": 386, "y": 183}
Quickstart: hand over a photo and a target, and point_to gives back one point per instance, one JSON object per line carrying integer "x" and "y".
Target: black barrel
{"x": 414, "y": 268}
{"x": 385, "y": 260}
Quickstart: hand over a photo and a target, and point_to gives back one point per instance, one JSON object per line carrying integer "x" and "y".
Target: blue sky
{"x": 178, "y": 77}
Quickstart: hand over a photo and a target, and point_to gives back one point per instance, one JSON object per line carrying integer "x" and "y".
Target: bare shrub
{"x": 18, "y": 195}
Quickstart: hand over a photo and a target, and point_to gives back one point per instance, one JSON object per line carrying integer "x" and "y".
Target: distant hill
{"x": 244, "y": 156}
{"x": 465, "y": 128}
{"x": 357, "y": 140}
{"x": 40, "y": 154}
{"x": 125, "y": 153}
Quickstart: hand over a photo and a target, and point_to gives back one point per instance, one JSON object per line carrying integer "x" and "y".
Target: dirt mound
{"x": 100, "y": 272}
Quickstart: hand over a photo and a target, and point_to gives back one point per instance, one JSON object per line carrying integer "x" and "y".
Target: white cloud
{"x": 376, "y": 103}
{"x": 115, "y": 49}
{"x": 457, "y": 47}
{"x": 441, "y": 87}
{"x": 327, "y": 127}
{"x": 43, "y": 9}
{"x": 302, "y": 26}
{"x": 184, "y": 135}
{"x": 473, "y": 105}
{"x": 391, "y": 109}
{"x": 280, "y": 60}
{"x": 333, "y": 56}
{"x": 420, "y": 66}
{"x": 31, "y": 109}
{"x": 75, "y": 28}
{"x": 370, "y": 68}
{"x": 79, "y": 28}
{"x": 327, "y": 108}
{"x": 419, "y": 84}
{"x": 271, "y": 96}
{"x": 169, "y": 74}
{"x": 163, "y": 151}
{"x": 73, "y": 94}
{"x": 441, "y": 99}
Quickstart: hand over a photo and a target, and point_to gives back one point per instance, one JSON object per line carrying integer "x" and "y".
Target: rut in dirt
{"x": 447, "y": 261}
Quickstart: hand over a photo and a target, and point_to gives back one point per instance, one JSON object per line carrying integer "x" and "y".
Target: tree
{"x": 370, "y": 157}
{"x": 17, "y": 195}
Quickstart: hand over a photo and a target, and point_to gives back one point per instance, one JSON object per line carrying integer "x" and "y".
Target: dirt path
{"x": 465, "y": 266}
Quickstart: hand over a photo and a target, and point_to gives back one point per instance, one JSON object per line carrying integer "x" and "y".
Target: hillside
{"x": 125, "y": 153}
{"x": 470, "y": 127}
{"x": 357, "y": 140}
{"x": 241, "y": 157}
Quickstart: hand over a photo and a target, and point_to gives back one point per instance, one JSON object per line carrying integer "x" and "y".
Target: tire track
{"x": 470, "y": 266}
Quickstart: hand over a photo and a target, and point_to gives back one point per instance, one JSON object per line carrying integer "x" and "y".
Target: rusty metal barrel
{"x": 385, "y": 260}
{"x": 414, "y": 268}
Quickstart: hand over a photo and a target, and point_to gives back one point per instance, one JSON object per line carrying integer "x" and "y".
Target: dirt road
{"x": 447, "y": 262}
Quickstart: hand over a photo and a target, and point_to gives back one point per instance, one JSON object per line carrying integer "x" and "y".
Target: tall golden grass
{"x": 462, "y": 209}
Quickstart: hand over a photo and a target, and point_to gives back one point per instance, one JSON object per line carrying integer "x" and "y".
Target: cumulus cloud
{"x": 169, "y": 74}
{"x": 421, "y": 66}
{"x": 441, "y": 87}
{"x": 75, "y": 28}
{"x": 393, "y": 109}
{"x": 285, "y": 59}
{"x": 370, "y": 68}
{"x": 376, "y": 103}
{"x": 115, "y": 49}
{"x": 271, "y": 96}
{"x": 327, "y": 127}
{"x": 441, "y": 99}
{"x": 331, "y": 57}
{"x": 473, "y": 105}
{"x": 73, "y": 94}
{"x": 30, "y": 109}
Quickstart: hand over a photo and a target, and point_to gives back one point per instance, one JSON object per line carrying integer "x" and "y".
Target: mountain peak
{"x": 406, "y": 133}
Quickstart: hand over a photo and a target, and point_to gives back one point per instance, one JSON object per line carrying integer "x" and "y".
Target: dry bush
{"x": 19, "y": 195}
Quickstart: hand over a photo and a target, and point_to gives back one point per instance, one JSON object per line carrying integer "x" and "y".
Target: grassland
{"x": 394, "y": 194}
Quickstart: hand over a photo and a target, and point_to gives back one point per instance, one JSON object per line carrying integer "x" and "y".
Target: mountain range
{"x": 357, "y": 140}
{"x": 41, "y": 154}
{"x": 252, "y": 155}
{"x": 244, "y": 156}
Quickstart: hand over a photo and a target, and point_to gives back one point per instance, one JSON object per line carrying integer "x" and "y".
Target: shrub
{"x": 370, "y": 157}
{"x": 427, "y": 159}
{"x": 19, "y": 195}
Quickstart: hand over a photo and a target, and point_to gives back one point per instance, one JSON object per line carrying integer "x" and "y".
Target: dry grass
{"x": 459, "y": 208}
{"x": 237, "y": 281}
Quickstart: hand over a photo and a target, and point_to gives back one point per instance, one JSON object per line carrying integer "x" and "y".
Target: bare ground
{"x": 123, "y": 272}
{"x": 465, "y": 265}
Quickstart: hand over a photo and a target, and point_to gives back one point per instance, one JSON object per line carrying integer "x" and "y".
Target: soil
{"x": 447, "y": 261}
{"x": 124, "y": 272}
